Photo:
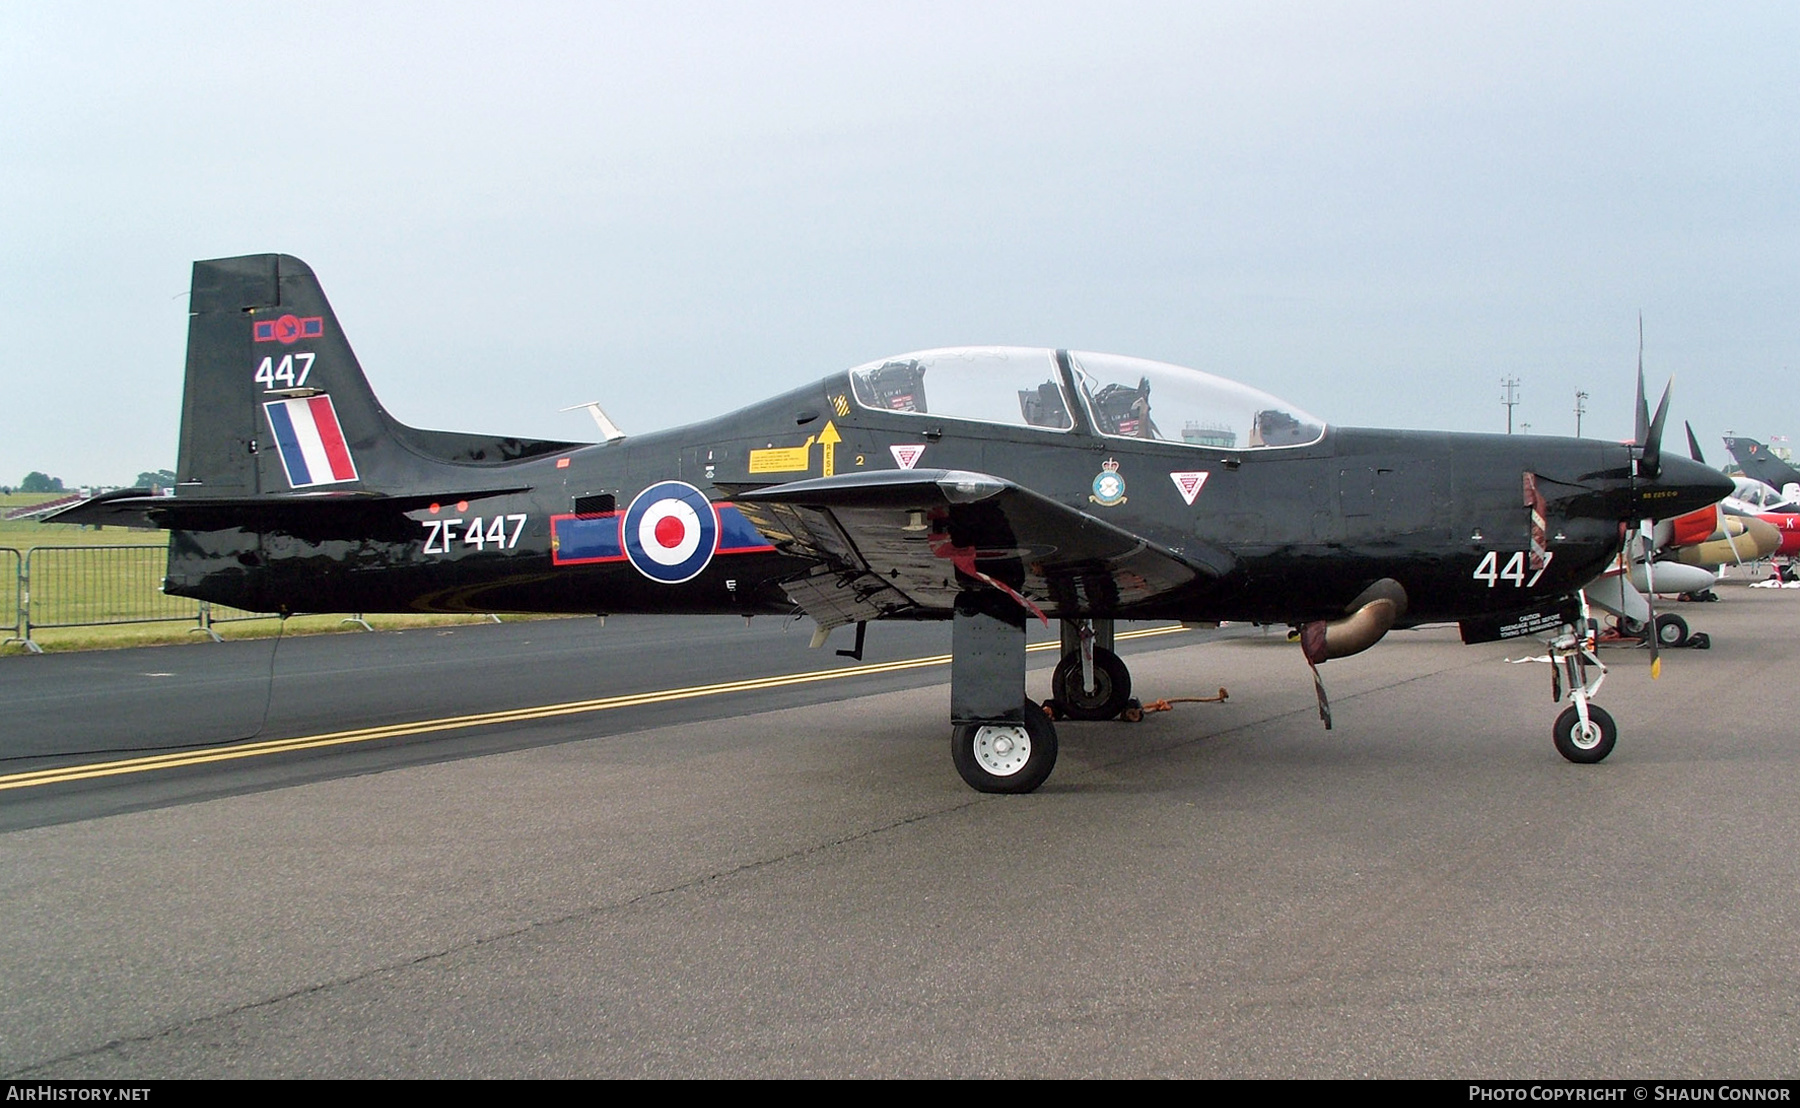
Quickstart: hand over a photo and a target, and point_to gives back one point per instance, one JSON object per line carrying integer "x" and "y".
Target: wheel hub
{"x": 1099, "y": 694}
{"x": 1586, "y": 736}
{"x": 1002, "y": 749}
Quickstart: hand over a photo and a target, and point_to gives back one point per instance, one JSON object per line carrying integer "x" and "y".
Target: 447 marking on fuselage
{"x": 440, "y": 533}
{"x": 1514, "y": 571}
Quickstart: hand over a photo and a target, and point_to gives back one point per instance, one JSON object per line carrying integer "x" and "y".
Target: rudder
{"x": 274, "y": 400}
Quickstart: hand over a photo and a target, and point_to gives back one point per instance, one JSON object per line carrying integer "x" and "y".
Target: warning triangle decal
{"x": 907, "y": 456}
{"x": 1188, "y": 484}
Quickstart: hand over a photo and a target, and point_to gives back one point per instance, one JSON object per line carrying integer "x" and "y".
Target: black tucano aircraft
{"x": 985, "y": 486}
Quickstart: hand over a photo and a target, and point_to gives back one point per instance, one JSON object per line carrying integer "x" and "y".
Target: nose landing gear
{"x": 1584, "y": 732}
{"x": 1585, "y": 741}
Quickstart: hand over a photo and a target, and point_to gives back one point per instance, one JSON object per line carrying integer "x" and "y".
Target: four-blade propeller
{"x": 1649, "y": 467}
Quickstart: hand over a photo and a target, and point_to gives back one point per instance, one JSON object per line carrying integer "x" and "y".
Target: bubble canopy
{"x": 1123, "y": 397}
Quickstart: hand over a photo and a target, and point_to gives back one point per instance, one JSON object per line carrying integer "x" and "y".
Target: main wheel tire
{"x": 1671, "y": 631}
{"x": 1112, "y": 686}
{"x": 1588, "y": 745}
{"x": 1006, "y": 757}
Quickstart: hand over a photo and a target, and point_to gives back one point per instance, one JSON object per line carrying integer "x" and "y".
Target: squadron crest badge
{"x": 1109, "y": 486}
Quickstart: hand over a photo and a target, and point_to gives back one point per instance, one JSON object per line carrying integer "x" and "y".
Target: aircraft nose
{"x": 1682, "y": 486}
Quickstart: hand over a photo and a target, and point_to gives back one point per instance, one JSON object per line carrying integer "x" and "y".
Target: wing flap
{"x": 911, "y": 540}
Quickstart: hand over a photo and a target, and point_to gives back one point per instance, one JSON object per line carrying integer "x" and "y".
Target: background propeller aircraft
{"x": 1753, "y": 501}
{"x": 1752, "y": 497}
{"x": 1681, "y": 555}
{"x": 984, "y": 486}
{"x": 1765, "y": 514}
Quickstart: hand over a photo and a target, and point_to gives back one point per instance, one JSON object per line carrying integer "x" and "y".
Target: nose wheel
{"x": 1584, "y": 732}
{"x": 1006, "y": 756}
{"x": 1585, "y": 741}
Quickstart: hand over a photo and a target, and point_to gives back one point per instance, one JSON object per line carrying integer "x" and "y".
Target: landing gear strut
{"x": 1091, "y": 682}
{"x": 1000, "y": 742}
{"x": 1584, "y": 732}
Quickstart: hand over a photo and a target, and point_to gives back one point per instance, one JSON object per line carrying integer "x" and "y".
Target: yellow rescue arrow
{"x": 829, "y": 438}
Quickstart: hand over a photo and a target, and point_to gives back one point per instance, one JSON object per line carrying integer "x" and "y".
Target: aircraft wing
{"x": 893, "y": 542}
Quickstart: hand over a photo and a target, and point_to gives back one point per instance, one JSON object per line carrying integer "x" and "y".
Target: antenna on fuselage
{"x": 607, "y": 427}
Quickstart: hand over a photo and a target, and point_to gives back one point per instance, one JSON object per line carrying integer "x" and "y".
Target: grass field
{"x": 114, "y": 598}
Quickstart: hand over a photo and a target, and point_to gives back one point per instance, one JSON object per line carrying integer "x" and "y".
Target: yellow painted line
{"x": 453, "y": 723}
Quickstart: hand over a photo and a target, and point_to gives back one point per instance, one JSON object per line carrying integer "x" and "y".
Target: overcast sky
{"x": 1373, "y": 210}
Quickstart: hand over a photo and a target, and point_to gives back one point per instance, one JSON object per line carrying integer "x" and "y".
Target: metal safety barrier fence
{"x": 12, "y": 581}
{"x": 82, "y": 586}
{"x": 90, "y": 586}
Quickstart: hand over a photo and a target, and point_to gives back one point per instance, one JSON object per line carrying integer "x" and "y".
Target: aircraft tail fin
{"x": 1742, "y": 446}
{"x": 276, "y": 402}
{"x": 1759, "y": 462}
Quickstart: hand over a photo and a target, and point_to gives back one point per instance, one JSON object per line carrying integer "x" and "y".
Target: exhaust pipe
{"x": 1372, "y": 614}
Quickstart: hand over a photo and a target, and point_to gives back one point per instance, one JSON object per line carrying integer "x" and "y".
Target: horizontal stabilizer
{"x": 142, "y": 508}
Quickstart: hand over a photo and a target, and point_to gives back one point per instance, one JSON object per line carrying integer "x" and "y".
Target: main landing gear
{"x": 1002, "y": 742}
{"x": 1670, "y": 631}
{"x": 1006, "y": 757}
{"x": 1091, "y": 682}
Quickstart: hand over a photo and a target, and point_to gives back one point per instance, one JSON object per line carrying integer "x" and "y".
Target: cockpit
{"x": 1121, "y": 397}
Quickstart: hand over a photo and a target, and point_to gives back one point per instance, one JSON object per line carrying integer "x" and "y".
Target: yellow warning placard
{"x": 782, "y": 459}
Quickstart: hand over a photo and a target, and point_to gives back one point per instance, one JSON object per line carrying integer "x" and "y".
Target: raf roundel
{"x": 669, "y": 532}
